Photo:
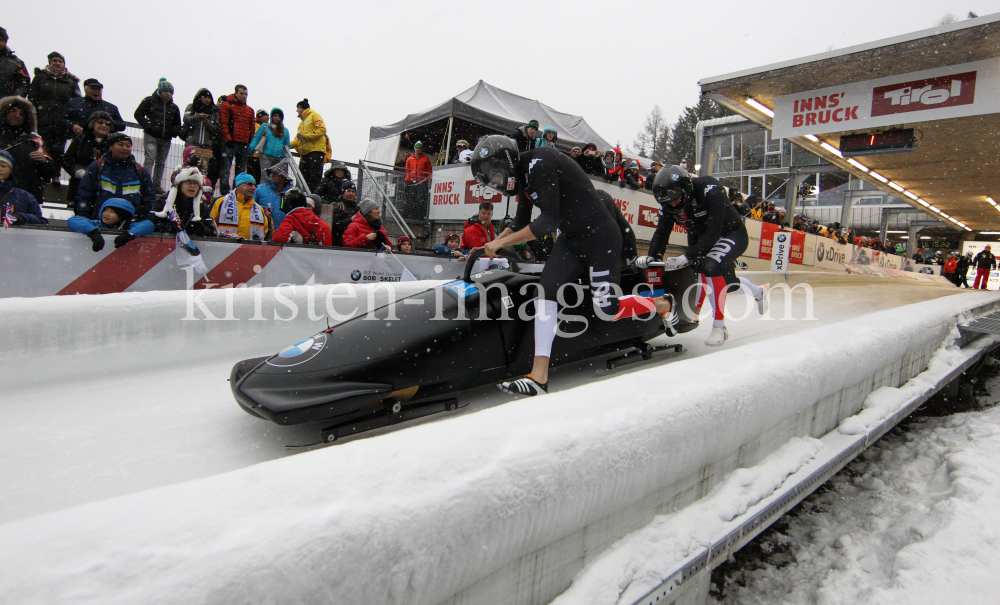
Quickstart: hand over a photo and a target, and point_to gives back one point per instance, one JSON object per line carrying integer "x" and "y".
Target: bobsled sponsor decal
{"x": 299, "y": 352}
{"x": 460, "y": 287}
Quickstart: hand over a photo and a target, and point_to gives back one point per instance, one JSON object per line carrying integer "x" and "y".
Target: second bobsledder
{"x": 363, "y": 374}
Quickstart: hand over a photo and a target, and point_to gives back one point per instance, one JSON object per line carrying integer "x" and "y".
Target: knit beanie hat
{"x": 418, "y": 144}
{"x": 367, "y": 206}
{"x": 54, "y": 54}
{"x": 164, "y": 85}
{"x": 304, "y": 104}
{"x": 402, "y": 239}
{"x": 7, "y": 158}
{"x": 243, "y": 178}
{"x": 3, "y": 34}
{"x": 314, "y": 201}
{"x": 347, "y": 184}
{"x": 114, "y": 137}
{"x": 533, "y": 124}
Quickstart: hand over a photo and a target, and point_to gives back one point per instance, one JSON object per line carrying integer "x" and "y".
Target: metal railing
{"x": 376, "y": 182}
{"x": 862, "y": 217}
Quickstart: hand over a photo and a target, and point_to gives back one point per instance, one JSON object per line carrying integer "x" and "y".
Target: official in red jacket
{"x": 301, "y": 225}
{"x": 478, "y": 229}
{"x": 366, "y": 230}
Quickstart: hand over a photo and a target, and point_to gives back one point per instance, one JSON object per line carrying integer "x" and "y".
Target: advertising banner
{"x": 954, "y": 91}
{"x": 52, "y": 262}
{"x": 455, "y": 196}
{"x": 781, "y": 248}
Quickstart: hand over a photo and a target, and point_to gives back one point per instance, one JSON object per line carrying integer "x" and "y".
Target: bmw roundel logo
{"x": 485, "y": 151}
{"x": 820, "y": 250}
{"x": 355, "y": 275}
{"x": 299, "y": 352}
{"x": 782, "y": 237}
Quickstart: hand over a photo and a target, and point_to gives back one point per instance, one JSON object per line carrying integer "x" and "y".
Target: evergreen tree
{"x": 651, "y": 141}
{"x": 682, "y": 141}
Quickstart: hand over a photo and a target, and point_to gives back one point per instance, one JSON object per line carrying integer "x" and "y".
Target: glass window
{"x": 869, "y": 201}
{"x": 772, "y": 160}
{"x": 774, "y": 188}
{"x": 752, "y": 149}
{"x": 832, "y": 188}
{"x": 726, "y": 146}
{"x": 801, "y": 157}
{"x": 773, "y": 145}
{"x": 757, "y": 186}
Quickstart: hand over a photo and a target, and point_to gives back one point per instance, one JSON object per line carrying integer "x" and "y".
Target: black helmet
{"x": 494, "y": 163}
{"x": 669, "y": 184}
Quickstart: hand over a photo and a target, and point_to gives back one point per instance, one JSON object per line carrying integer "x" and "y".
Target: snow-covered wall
{"x": 441, "y": 512}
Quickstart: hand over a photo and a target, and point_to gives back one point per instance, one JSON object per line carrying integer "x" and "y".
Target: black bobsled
{"x": 362, "y": 374}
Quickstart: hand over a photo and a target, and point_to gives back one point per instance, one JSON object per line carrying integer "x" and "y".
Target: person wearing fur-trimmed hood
{"x": 116, "y": 214}
{"x": 19, "y": 137}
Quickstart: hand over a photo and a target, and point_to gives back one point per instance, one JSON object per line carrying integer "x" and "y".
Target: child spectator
{"x": 86, "y": 148}
{"x": 366, "y": 230}
{"x": 275, "y": 137}
{"x": 272, "y": 191}
{"x": 450, "y": 247}
{"x": 185, "y": 208}
{"x": 479, "y": 229}
{"x": 17, "y": 206}
{"x": 302, "y": 225}
{"x": 344, "y": 209}
{"x": 238, "y": 215}
{"x": 116, "y": 214}
{"x": 405, "y": 244}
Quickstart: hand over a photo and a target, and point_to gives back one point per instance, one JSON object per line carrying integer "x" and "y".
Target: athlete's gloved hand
{"x": 675, "y": 263}
{"x": 643, "y": 261}
{"x": 696, "y": 263}
{"x": 123, "y": 239}
{"x": 96, "y": 237}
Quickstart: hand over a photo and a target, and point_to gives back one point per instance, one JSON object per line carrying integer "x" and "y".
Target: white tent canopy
{"x": 492, "y": 107}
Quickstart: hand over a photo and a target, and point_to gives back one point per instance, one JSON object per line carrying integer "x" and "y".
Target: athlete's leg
{"x": 719, "y": 267}
{"x": 562, "y": 267}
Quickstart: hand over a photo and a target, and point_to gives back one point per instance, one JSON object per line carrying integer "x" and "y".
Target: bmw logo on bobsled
{"x": 360, "y": 375}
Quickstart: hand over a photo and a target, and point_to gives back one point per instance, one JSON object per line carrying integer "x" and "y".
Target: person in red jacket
{"x": 301, "y": 225}
{"x": 366, "y": 230}
{"x": 478, "y": 229}
{"x": 238, "y": 125}
{"x": 418, "y": 177}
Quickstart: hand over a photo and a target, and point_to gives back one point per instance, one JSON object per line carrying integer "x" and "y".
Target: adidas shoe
{"x": 718, "y": 337}
{"x": 524, "y": 386}
{"x": 763, "y": 303}
{"x": 670, "y": 319}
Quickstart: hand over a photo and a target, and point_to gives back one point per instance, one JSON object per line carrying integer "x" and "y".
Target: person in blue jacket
{"x": 276, "y": 139}
{"x": 117, "y": 175}
{"x": 22, "y": 205}
{"x": 450, "y": 247}
{"x": 117, "y": 215}
{"x": 548, "y": 138}
{"x": 271, "y": 192}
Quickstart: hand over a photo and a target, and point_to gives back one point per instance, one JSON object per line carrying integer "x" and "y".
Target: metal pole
{"x": 295, "y": 171}
{"x": 447, "y": 140}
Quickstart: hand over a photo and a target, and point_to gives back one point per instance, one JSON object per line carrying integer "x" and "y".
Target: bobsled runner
{"x": 360, "y": 375}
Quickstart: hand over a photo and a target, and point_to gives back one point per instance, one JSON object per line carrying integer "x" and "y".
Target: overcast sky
{"x": 371, "y": 63}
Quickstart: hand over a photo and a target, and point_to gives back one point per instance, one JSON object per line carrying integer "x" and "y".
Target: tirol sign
{"x": 935, "y": 94}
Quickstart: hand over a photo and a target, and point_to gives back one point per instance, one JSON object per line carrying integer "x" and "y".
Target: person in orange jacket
{"x": 418, "y": 177}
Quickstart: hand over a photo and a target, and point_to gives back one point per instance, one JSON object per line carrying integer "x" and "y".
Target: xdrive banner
{"x": 955, "y": 91}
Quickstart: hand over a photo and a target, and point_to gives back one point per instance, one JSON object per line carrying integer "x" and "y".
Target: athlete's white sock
{"x": 718, "y": 323}
{"x": 755, "y": 290}
{"x": 546, "y": 321}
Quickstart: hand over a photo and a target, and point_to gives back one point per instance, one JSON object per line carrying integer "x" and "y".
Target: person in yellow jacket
{"x": 238, "y": 215}
{"x": 311, "y": 144}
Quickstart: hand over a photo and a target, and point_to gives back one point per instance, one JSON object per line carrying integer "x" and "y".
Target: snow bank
{"x": 69, "y": 336}
{"x": 640, "y": 562}
{"x": 419, "y": 514}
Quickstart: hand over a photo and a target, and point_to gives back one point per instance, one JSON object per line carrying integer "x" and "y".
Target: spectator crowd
{"x": 235, "y": 179}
